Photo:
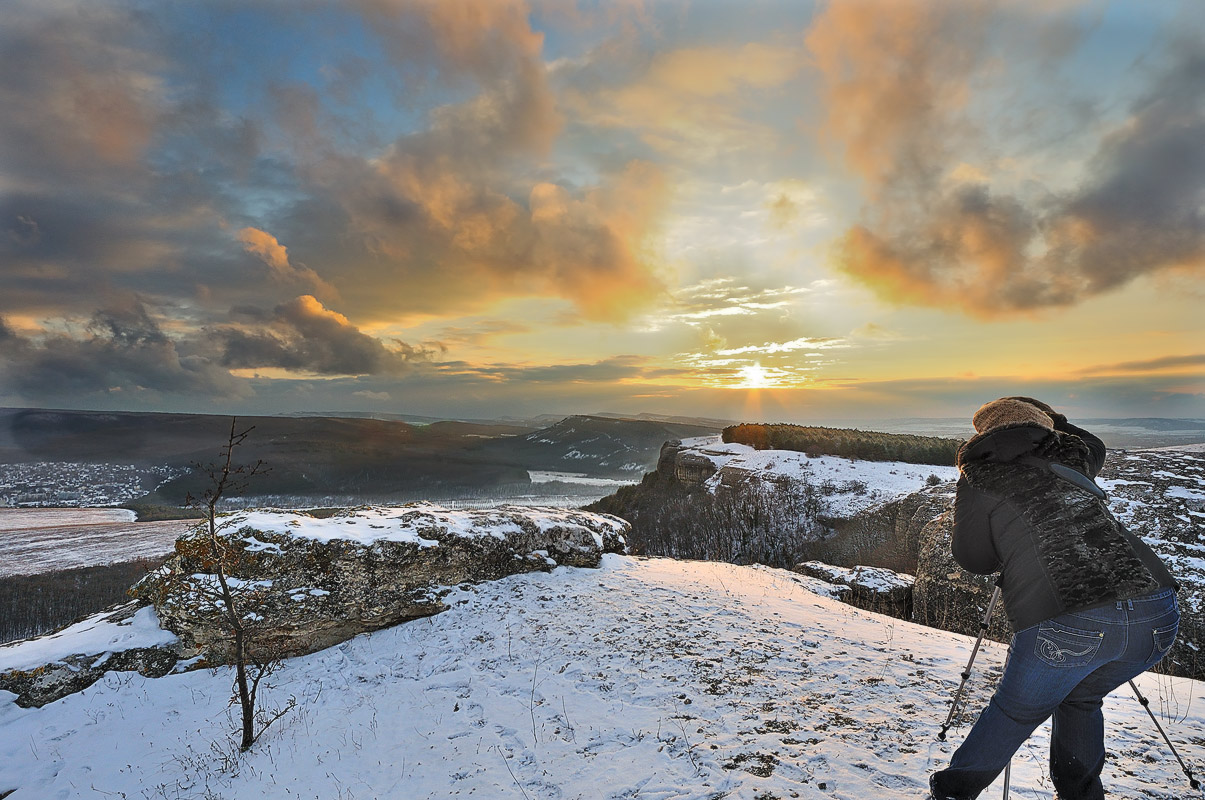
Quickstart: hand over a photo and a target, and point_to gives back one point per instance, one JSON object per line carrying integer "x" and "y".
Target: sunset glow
{"x": 485, "y": 208}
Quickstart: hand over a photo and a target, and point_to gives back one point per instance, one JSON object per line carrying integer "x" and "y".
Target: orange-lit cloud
{"x": 462, "y": 241}
{"x": 1190, "y": 364}
{"x": 443, "y": 216}
{"x": 276, "y": 257}
{"x": 691, "y": 101}
{"x": 899, "y": 84}
{"x": 895, "y": 75}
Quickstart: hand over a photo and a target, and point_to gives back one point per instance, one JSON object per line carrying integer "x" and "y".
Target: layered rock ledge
{"x": 872, "y": 588}
{"x": 302, "y": 583}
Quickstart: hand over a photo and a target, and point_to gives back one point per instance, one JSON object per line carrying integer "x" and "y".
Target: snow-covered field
{"x": 847, "y": 485}
{"x": 546, "y": 476}
{"x": 651, "y": 679}
{"x": 37, "y": 540}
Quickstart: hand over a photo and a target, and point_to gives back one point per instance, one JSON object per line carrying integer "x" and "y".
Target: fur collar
{"x": 1010, "y": 442}
{"x": 1004, "y": 443}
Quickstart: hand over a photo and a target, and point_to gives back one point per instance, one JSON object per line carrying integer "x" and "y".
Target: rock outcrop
{"x": 301, "y": 584}
{"x": 888, "y": 535}
{"x": 871, "y": 588}
{"x": 61, "y": 674}
{"x": 684, "y": 464}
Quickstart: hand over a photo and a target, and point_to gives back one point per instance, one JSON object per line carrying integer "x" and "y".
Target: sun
{"x": 754, "y": 377}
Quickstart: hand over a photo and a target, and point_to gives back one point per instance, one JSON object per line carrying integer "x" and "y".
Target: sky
{"x": 757, "y": 211}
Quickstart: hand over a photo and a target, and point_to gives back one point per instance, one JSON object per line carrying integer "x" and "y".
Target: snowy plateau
{"x": 847, "y": 485}
{"x": 643, "y": 679}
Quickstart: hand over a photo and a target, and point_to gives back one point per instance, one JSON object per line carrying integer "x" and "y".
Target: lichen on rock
{"x": 301, "y": 583}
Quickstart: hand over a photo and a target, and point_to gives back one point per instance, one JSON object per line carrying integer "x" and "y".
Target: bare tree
{"x": 236, "y": 598}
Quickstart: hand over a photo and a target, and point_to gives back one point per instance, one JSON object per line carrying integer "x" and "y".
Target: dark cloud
{"x": 305, "y": 336}
{"x": 79, "y": 90}
{"x": 617, "y": 368}
{"x": 124, "y": 351}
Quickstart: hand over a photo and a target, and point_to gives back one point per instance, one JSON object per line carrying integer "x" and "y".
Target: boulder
{"x": 684, "y": 464}
{"x": 870, "y": 588}
{"x": 301, "y": 584}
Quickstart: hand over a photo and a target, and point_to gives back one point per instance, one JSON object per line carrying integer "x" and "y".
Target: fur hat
{"x": 1010, "y": 411}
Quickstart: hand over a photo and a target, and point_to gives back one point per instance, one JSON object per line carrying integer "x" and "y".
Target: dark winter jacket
{"x": 1057, "y": 546}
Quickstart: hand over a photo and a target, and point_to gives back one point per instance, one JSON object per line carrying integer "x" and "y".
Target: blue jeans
{"x": 1063, "y": 667}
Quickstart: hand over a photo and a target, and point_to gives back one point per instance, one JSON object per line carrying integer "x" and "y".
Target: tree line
{"x": 31, "y": 605}
{"x": 847, "y": 442}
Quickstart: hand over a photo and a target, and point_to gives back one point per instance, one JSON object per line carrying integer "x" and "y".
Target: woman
{"x": 1091, "y": 604}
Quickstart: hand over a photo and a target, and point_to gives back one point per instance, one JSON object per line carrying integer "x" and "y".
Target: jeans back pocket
{"x": 1060, "y": 646}
{"x": 1164, "y": 638}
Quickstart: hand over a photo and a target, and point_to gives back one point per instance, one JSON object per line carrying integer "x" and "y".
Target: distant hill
{"x": 344, "y": 457}
{"x": 596, "y": 446}
{"x": 308, "y": 456}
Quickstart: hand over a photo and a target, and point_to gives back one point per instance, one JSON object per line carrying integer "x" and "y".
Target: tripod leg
{"x": 1192, "y": 781}
{"x": 966, "y": 672}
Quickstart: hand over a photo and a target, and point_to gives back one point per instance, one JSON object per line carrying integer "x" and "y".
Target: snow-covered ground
{"x": 651, "y": 679}
{"x": 92, "y": 636}
{"x": 847, "y": 485}
{"x": 39, "y": 540}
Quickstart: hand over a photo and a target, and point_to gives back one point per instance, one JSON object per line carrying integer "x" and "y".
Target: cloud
{"x": 126, "y": 158}
{"x": 774, "y": 348}
{"x": 305, "y": 336}
{"x": 490, "y": 42}
{"x": 608, "y": 370}
{"x": 724, "y": 297}
{"x": 481, "y": 333}
{"x": 1156, "y": 395}
{"x": 448, "y": 233}
{"x": 900, "y": 85}
{"x": 276, "y": 257}
{"x": 471, "y": 209}
{"x": 1177, "y": 364}
{"x": 124, "y": 349}
{"x": 80, "y": 95}
{"x": 692, "y": 101}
